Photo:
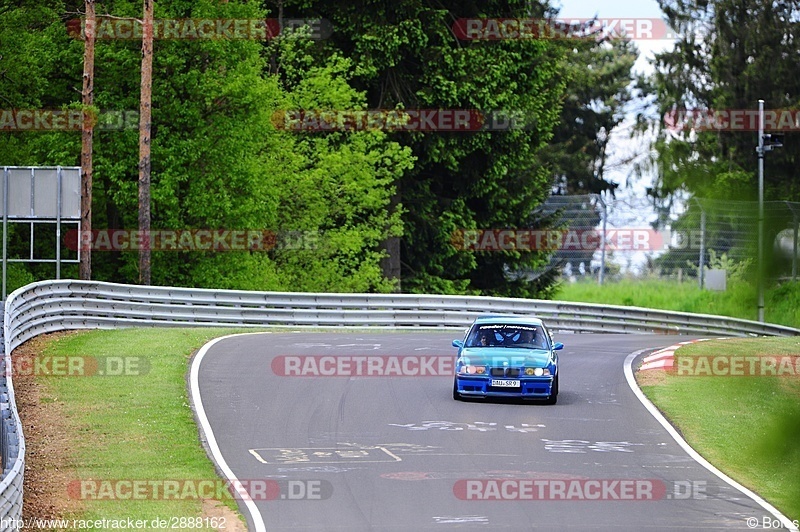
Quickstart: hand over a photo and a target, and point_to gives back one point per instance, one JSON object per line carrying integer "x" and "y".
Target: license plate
{"x": 505, "y": 384}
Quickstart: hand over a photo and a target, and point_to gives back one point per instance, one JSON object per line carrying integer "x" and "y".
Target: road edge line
{"x": 785, "y": 521}
{"x": 210, "y": 440}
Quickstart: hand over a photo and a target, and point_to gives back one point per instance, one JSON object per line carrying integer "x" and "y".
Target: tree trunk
{"x": 144, "y": 142}
{"x": 391, "y": 263}
{"x": 87, "y": 136}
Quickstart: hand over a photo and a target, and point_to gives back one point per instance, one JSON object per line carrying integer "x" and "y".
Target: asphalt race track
{"x": 358, "y": 453}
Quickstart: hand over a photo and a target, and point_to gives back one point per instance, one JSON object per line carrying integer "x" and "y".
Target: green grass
{"x": 749, "y": 427}
{"x": 134, "y": 427}
{"x": 781, "y": 303}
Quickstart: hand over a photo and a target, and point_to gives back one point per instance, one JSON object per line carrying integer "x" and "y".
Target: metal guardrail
{"x": 50, "y": 306}
{"x": 12, "y": 444}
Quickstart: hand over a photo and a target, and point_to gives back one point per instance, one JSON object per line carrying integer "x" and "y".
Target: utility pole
{"x": 766, "y": 142}
{"x": 145, "y": 125}
{"x": 87, "y": 137}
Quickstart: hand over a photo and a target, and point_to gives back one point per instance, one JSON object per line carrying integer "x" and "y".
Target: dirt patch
{"x": 49, "y": 467}
{"x": 228, "y": 519}
{"x": 650, "y": 377}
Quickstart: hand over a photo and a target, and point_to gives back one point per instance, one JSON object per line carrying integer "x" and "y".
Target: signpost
{"x": 40, "y": 195}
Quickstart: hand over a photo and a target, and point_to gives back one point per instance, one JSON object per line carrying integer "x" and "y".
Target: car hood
{"x": 505, "y": 356}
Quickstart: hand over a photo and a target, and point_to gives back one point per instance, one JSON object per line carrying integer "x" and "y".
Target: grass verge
{"x": 782, "y": 303}
{"x": 747, "y": 426}
{"x": 128, "y": 427}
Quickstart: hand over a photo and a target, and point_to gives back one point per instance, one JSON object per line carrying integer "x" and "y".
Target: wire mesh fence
{"x": 609, "y": 238}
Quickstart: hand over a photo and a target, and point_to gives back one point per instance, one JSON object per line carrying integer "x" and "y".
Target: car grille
{"x": 505, "y": 372}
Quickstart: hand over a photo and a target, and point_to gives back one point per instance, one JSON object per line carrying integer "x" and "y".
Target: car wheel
{"x": 456, "y": 395}
{"x": 553, "y": 399}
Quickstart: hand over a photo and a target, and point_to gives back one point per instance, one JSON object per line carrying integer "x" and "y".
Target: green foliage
{"x": 599, "y": 74}
{"x": 405, "y": 55}
{"x": 731, "y": 54}
{"x": 736, "y": 270}
{"x": 17, "y": 277}
{"x": 782, "y": 302}
{"x": 218, "y": 161}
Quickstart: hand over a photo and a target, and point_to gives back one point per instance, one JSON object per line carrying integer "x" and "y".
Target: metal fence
{"x": 12, "y": 445}
{"x": 714, "y": 233}
{"x": 50, "y": 306}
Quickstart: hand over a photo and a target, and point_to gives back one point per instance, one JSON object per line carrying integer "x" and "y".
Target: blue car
{"x": 507, "y": 356}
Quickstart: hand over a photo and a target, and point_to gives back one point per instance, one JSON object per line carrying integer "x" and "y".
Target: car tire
{"x": 553, "y": 399}
{"x": 456, "y": 395}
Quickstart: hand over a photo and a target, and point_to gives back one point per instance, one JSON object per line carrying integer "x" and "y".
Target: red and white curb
{"x": 665, "y": 358}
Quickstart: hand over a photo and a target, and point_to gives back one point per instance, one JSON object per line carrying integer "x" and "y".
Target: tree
{"x": 145, "y": 128}
{"x": 219, "y": 163}
{"x": 731, "y": 54}
{"x": 87, "y": 136}
{"x": 599, "y": 73}
{"x": 406, "y": 55}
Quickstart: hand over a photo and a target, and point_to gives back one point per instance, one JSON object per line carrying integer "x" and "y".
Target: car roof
{"x": 509, "y": 319}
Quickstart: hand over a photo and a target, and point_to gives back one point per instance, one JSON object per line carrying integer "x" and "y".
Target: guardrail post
{"x": 794, "y": 247}
{"x": 5, "y": 229}
{"x": 701, "y": 266}
{"x": 59, "y": 185}
{"x": 602, "y": 274}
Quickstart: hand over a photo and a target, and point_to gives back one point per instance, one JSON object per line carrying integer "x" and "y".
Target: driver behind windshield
{"x": 526, "y": 337}
{"x": 485, "y": 338}
{"x": 482, "y": 338}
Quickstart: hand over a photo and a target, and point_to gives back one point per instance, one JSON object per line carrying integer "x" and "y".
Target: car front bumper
{"x": 533, "y": 387}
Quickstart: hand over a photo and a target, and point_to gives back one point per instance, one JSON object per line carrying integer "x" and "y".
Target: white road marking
{"x": 373, "y": 346}
{"x": 309, "y": 345}
{"x": 258, "y": 456}
{"x": 205, "y": 426}
{"x": 323, "y": 455}
{"x": 480, "y": 426}
{"x": 458, "y": 519}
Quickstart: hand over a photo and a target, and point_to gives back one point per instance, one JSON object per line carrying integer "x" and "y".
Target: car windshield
{"x": 507, "y": 335}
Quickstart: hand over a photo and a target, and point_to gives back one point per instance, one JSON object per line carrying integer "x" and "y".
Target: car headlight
{"x": 472, "y": 370}
{"x": 537, "y": 372}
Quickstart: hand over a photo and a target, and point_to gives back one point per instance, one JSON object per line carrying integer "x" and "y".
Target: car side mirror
{"x": 558, "y": 345}
{"x": 458, "y": 343}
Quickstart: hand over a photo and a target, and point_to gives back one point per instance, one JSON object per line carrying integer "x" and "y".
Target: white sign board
{"x": 33, "y": 192}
